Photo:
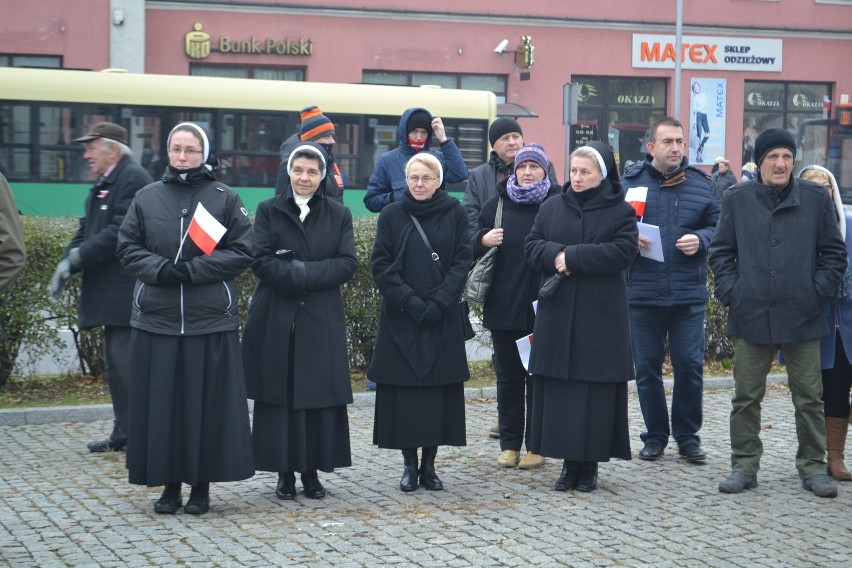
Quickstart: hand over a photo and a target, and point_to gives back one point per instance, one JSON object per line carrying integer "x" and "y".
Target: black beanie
{"x": 771, "y": 139}
{"x": 501, "y": 126}
{"x": 419, "y": 119}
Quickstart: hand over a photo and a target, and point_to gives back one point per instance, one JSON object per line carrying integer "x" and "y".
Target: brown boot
{"x": 835, "y": 440}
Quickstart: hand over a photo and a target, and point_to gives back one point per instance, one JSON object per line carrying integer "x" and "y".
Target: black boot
{"x": 588, "y": 480}
{"x": 170, "y": 501}
{"x": 568, "y": 479}
{"x": 428, "y": 478}
{"x": 409, "y": 472}
{"x": 312, "y": 486}
{"x": 286, "y": 488}
{"x": 199, "y": 499}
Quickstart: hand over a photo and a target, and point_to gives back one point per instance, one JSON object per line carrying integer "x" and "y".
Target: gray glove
{"x": 74, "y": 258}
{"x": 60, "y": 276}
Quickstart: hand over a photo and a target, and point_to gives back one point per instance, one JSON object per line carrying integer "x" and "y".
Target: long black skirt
{"x": 579, "y": 421}
{"x": 300, "y": 440}
{"x": 189, "y": 417}
{"x": 417, "y": 417}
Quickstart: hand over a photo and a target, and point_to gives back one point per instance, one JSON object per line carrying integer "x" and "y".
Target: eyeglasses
{"x": 414, "y": 180}
{"x": 188, "y": 151}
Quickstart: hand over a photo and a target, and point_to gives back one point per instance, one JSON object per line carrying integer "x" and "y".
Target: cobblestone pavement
{"x": 62, "y": 506}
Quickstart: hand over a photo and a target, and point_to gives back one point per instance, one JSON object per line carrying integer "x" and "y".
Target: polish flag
{"x": 636, "y": 197}
{"x": 204, "y": 230}
{"x": 524, "y": 347}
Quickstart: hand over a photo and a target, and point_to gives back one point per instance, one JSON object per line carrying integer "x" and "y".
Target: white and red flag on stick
{"x": 205, "y": 230}
{"x": 636, "y": 197}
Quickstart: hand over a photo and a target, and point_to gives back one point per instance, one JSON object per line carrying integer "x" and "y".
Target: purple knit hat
{"x": 531, "y": 153}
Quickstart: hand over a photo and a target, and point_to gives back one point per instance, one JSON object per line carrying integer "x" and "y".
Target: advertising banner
{"x": 707, "y": 109}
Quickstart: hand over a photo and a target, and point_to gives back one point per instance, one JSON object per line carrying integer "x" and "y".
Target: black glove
{"x": 432, "y": 314}
{"x": 550, "y": 285}
{"x": 414, "y": 307}
{"x": 173, "y": 274}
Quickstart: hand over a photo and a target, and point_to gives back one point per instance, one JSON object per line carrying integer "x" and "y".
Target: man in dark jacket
{"x": 315, "y": 127}
{"x": 668, "y": 299}
{"x": 506, "y": 138}
{"x": 416, "y": 130}
{"x": 777, "y": 254}
{"x": 106, "y": 292}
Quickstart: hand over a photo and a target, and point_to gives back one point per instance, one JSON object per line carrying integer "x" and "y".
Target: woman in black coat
{"x": 185, "y": 239}
{"x": 508, "y": 310}
{"x": 294, "y": 344}
{"x": 580, "y": 360}
{"x": 419, "y": 361}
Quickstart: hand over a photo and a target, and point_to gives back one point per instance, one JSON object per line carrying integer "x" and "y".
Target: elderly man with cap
{"x": 506, "y": 138}
{"x": 417, "y": 128}
{"x": 315, "y": 127}
{"x": 777, "y": 254}
{"x": 106, "y": 291}
{"x": 723, "y": 178}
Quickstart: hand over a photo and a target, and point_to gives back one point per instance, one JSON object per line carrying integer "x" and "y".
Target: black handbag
{"x": 464, "y": 309}
{"x": 479, "y": 278}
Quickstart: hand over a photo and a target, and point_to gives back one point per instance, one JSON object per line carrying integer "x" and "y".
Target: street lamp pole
{"x": 678, "y": 56}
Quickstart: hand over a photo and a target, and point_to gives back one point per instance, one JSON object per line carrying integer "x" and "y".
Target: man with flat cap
{"x": 777, "y": 254}
{"x": 106, "y": 292}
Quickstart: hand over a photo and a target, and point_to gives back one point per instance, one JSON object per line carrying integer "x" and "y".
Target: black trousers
{"x": 117, "y": 362}
{"x": 513, "y": 389}
{"x": 836, "y": 383}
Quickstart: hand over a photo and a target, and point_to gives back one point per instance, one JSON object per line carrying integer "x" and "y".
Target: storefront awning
{"x": 515, "y": 110}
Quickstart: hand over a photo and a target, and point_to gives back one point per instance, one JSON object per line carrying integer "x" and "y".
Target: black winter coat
{"x": 106, "y": 292}
{"x": 775, "y": 263}
{"x": 150, "y": 237}
{"x": 442, "y": 345}
{"x": 515, "y": 283}
{"x": 302, "y": 297}
{"x": 582, "y": 332}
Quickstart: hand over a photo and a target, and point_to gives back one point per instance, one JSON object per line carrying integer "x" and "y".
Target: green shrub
{"x": 27, "y": 316}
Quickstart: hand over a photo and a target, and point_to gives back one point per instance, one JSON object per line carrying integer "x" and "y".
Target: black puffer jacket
{"x": 150, "y": 236}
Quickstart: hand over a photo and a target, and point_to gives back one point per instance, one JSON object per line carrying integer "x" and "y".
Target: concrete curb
{"x": 93, "y": 413}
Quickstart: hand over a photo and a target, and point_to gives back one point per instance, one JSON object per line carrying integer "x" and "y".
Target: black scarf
{"x": 504, "y": 170}
{"x": 193, "y": 176}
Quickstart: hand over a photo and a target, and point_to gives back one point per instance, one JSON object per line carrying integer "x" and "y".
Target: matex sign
{"x": 707, "y": 53}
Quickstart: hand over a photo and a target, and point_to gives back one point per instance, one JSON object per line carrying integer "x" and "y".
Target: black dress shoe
{"x": 106, "y": 446}
{"x": 286, "y": 488}
{"x": 312, "y": 486}
{"x": 587, "y": 481}
{"x": 653, "y": 450}
{"x": 692, "y": 453}
{"x": 199, "y": 500}
{"x": 170, "y": 501}
{"x": 568, "y": 479}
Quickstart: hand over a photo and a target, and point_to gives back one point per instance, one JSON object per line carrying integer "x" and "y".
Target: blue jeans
{"x": 684, "y": 326}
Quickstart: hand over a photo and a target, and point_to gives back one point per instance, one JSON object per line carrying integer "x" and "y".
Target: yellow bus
{"x": 43, "y": 110}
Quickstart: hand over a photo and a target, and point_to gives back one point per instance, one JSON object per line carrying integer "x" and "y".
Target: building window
{"x": 43, "y": 61}
{"x": 620, "y": 111}
{"x": 775, "y": 104}
{"x": 494, "y": 83}
{"x": 234, "y": 72}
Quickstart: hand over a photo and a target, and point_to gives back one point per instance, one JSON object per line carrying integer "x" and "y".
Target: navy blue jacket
{"x": 387, "y": 182}
{"x": 679, "y": 203}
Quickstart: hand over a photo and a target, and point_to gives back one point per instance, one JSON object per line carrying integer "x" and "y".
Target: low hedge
{"x": 29, "y": 318}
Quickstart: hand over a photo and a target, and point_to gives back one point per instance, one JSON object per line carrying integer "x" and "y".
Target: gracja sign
{"x": 198, "y": 45}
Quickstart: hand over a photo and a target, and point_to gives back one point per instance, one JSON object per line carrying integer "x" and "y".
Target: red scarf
{"x": 416, "y": 145}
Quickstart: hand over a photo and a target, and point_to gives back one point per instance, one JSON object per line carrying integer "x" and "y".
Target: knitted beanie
{"x": 419, "y": 119}
{"x": 315, "y": 125}
{"x": 532, "y": 153}
{"x": 771, "y": 139}
{"x": 501, "y": 126}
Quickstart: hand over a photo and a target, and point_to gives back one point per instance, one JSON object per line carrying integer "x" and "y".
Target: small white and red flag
{"x": 205, "y": 230}
{"x": 636, "y": 197}
{"x": 524, "y": 347}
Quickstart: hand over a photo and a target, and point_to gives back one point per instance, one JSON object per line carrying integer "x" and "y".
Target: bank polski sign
{"x": 707, "y": 53}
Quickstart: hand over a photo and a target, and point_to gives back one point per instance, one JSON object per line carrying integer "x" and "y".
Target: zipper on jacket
{"x": 230, "y": 299}
{"x": 180, "y": 235}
